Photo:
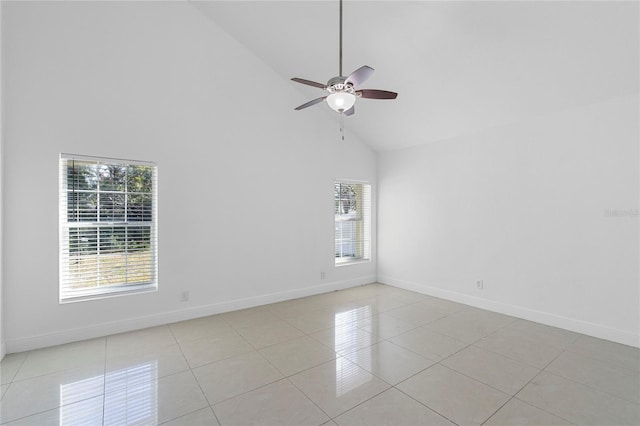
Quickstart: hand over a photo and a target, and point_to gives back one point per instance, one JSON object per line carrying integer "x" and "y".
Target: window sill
{"x": 113, "y": 292}
{"x": 351, "y": 262}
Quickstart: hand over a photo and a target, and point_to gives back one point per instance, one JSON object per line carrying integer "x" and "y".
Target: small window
{"x": 108, "y": 227}
{"x": 352, "y": 222}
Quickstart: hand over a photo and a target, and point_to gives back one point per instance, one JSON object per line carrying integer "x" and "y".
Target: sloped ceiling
{"x": 459, "y": 67}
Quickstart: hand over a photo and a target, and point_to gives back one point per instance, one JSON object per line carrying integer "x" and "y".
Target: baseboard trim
{"x": 130, "y": 324}
{"x": 547, "y": 318}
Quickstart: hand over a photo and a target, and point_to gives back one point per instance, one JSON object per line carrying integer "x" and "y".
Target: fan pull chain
{"x": 342, "y": 125}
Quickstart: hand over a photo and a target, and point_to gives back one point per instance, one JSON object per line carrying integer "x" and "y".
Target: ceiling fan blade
{"x": 309, "y": 83}
{"x": 310, "y": 103}
{"x": 376, "y": 94}
{"x": 359, "y": 76}
{"x": 350, "y": 111}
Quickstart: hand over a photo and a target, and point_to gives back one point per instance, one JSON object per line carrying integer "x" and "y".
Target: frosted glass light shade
{"x": 341, "y": 101}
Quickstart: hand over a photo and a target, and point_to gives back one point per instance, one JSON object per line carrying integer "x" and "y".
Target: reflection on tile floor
{"x": 364, "y": 356}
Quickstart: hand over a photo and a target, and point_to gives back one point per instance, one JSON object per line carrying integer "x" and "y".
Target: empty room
{"x": 319, "y": 212}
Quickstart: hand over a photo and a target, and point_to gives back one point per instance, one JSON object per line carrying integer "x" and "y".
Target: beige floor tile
{"x": 363, "y": 291}
{"x": 269, "y": 334}
{"x": 132, "y": 369}
{"x": 194, "y": 329}
{"x": 459, "y": 398}
{"x": 416, "y": 315}
{"x": 297, "y": 355}
{"x": 140, "y": 340}
{"x": 345, "y": 338}
{"x": 610, "y": 352}
{"x": 391, "y": 408}
{"x": 250, "y": 317}
{"x": 445, "y": 306}
{"x": 357, "y": 315}
{"x": 520, "y": 347}
{"x": 429, "y": 344}
{"x": 279, "y": 403}
{"x": 203, "y": 417}
{"x": 518, "y": 413}
{"x": 603, "y": 376}
{"x": 85, "y": 412}
{"x": 379, "y": 304}
{"x": 155, "y": 401}
{"x": 43, "y": 393}
{"x": 337, "y": 305}
{"x": 333, "y": 296}
{"x": 88, "y": 353}
{"x": 311, "y": 322}
{"x": 234, "y": 376}
{"x": 406, "y": 296}
{"x": 292, "y": 308}
{"x": 552, "y": 336}
{"x": 384, "y": 326}
{"x": 389, "y": 362}
{"x": 214, "y": 348}
{"x": 470, "y": 325}
{"x": 578, "y": 403}
{"x": 10, "y": 365}
{"x": 492, "y": 369}
{"x": 338, "y": 385}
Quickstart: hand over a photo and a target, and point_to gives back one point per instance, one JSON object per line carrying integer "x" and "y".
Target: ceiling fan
{"x": 342, "y": 92}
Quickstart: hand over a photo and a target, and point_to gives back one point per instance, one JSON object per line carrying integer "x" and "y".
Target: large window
{"x": 108, "y": 232}
{"x": 352, "y": 213}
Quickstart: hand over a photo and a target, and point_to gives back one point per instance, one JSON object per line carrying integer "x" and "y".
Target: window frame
{"x": 66, "y": 293}
{"x": 366, "y": 225}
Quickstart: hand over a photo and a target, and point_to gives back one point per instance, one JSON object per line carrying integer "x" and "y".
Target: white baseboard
{"x": 130, "y": 324}
{"x": 547, "y": 318}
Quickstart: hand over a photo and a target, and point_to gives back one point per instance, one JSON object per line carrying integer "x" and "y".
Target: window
{"x": 108, "y": 228}
{"x": 352, "y": 213}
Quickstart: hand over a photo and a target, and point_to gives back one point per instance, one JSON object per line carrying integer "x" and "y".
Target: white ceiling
{"x": 459, "y": 67}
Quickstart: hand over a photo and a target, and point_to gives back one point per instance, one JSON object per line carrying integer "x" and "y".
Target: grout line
{"x": 593, "y": 388}
{"x": 525, "y": 385}
{"x": 423, "y": 404}
{"x": 205, "y": 396}
{"x": 312, "y": 401}
{"x": 194, "y": 377}
{"x": 13, "y": 378}
{"x": 188, "y": 414}
{"x": 360, "y": 403}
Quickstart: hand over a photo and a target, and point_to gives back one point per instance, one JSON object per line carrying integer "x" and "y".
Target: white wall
{"x": 245, "y": 182}
{"x": 530, "y": 209}
{"x": 2, "y": 345}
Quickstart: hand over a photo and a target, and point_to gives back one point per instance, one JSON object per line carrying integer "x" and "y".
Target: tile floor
{"x": 370, "y": 355}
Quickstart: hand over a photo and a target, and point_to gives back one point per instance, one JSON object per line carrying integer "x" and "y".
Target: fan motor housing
{"x": 336, "y": 80}
{"x": 336, "y": 84}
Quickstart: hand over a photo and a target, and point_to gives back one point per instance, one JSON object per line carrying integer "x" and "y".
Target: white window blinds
{"x": 352, "y": 212}
{"x": 108, "y": 227}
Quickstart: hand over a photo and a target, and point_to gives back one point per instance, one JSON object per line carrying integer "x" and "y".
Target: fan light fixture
{"x": 341, "y": 101}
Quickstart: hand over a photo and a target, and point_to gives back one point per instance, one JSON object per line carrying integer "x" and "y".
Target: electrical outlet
{"x": 480, "y": 284}
{"x": 322, "y": 275}
{"x": 184, "y": 297}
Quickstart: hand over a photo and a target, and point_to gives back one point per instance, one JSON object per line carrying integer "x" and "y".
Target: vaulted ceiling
{"x": 459, "y": 67}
